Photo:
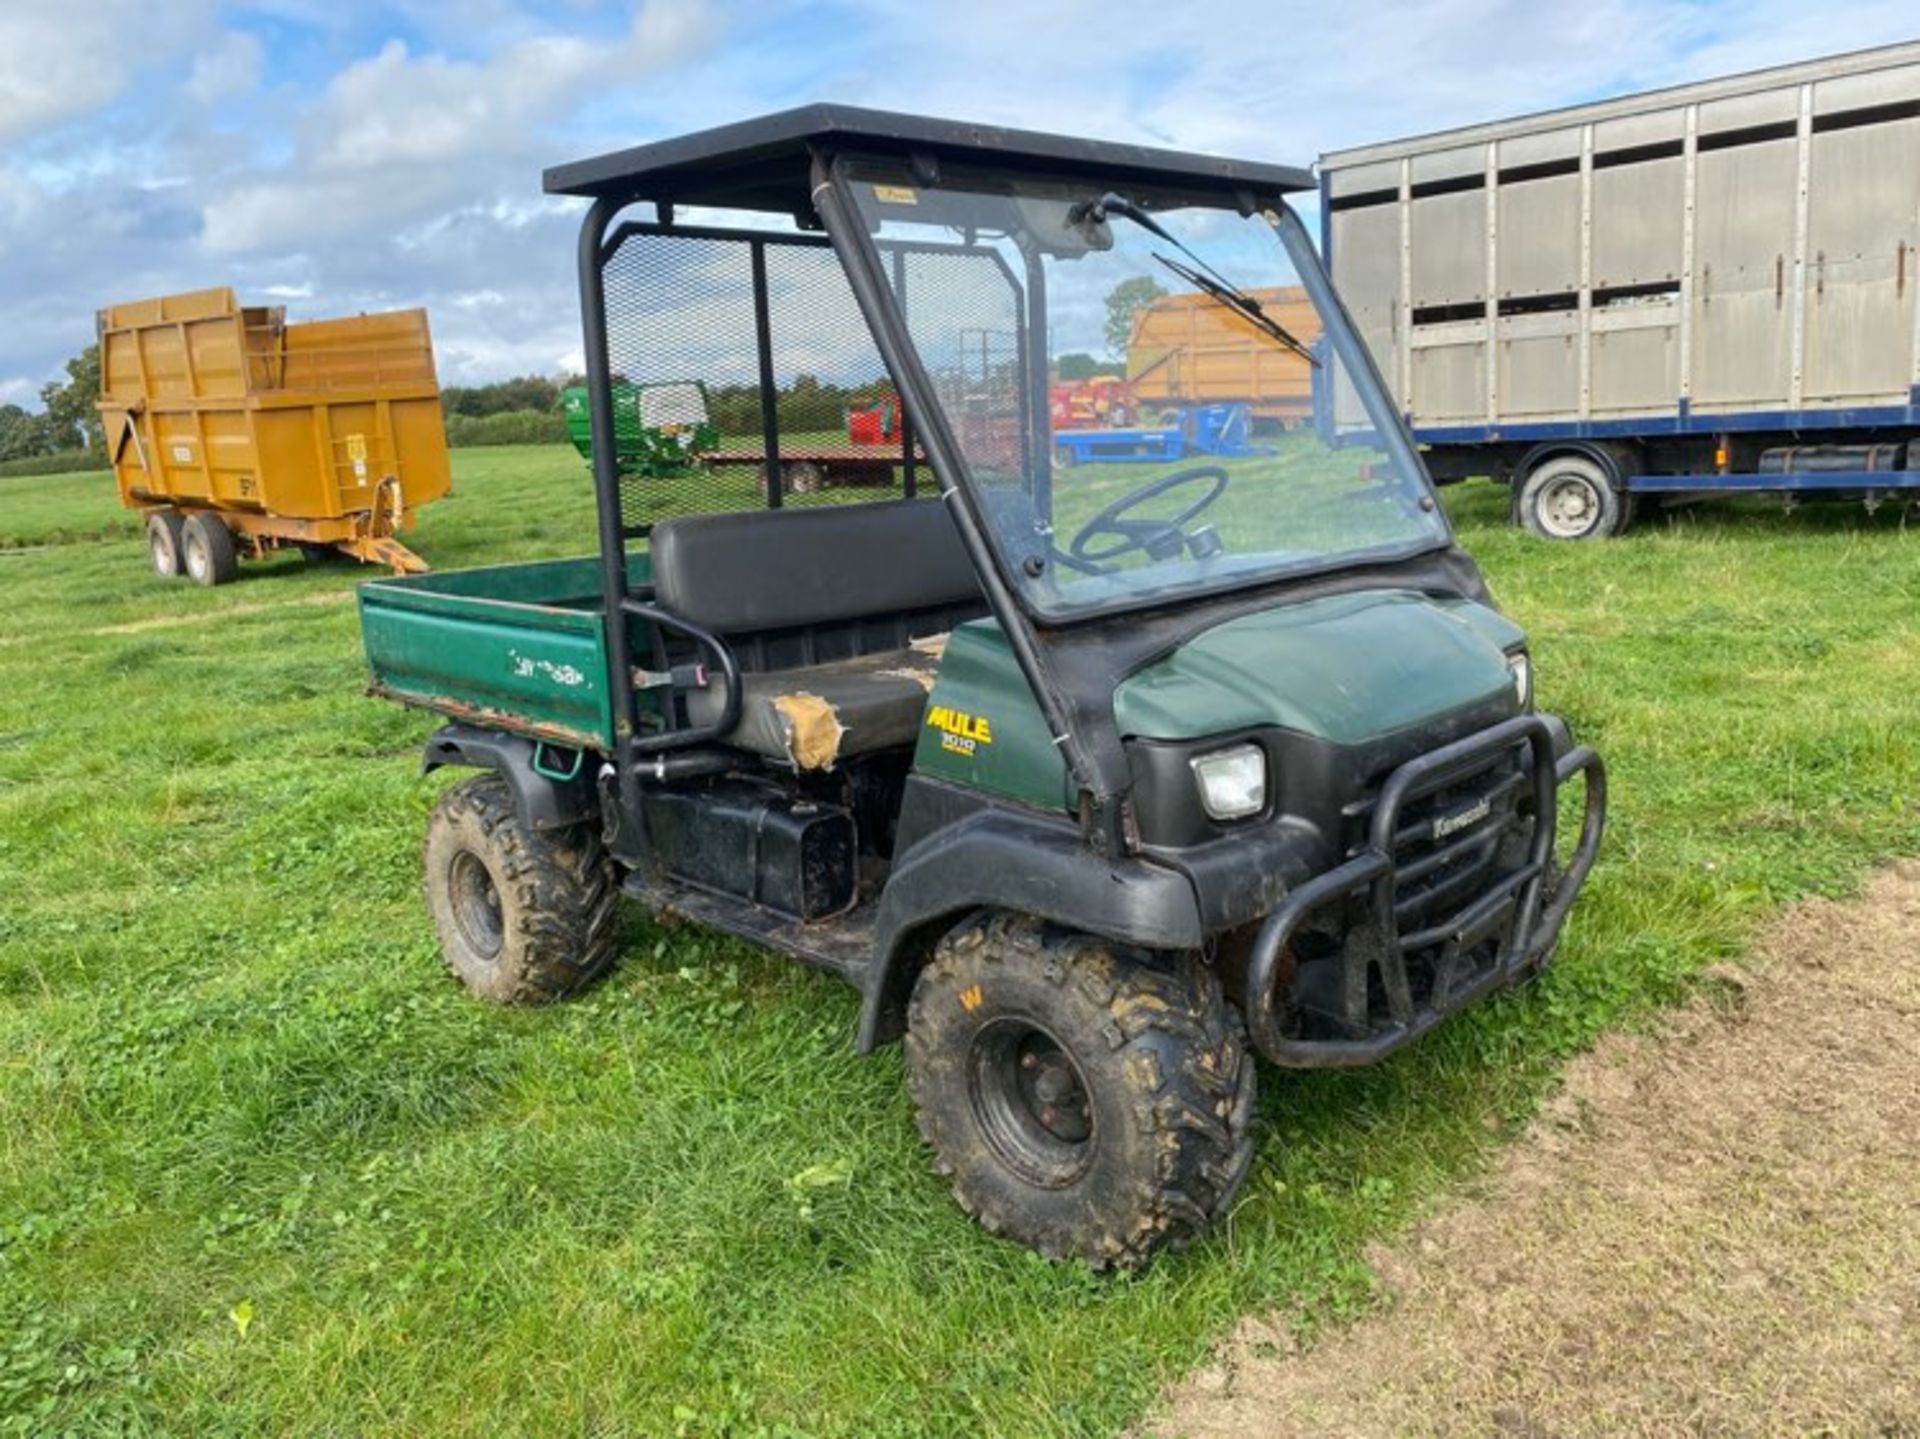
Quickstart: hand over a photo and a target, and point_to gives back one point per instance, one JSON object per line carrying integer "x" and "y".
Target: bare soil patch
{"x": 1715, "y": 1230}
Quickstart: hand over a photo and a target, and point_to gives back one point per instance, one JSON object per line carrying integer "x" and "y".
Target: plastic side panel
{"x": 511, "y": 675}
{"x": 982, "y": 728}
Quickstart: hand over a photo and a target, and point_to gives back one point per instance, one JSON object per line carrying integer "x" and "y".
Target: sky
{"x": 343, "y": 155}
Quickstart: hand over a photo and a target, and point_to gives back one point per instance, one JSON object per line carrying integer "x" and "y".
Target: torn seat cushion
{"x": 812, "y": 717}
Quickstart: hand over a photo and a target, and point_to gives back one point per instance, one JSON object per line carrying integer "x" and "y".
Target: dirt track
{"x": 1716, "y": 1231}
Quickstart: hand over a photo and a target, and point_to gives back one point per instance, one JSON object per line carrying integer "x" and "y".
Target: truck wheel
{"x": 524, "y": 916}
{"x": 206, "y": 550}
{"x": 163, "y": 542}
{"x": 1572, "y": 497}
{"x": 1082, "y": 1102}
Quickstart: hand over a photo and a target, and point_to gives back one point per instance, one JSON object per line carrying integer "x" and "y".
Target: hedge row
{"x": 69, "y": 462}
{"x": 509, "y": 427}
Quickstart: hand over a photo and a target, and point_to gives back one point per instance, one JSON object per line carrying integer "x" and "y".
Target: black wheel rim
{"x": 1031, "y": 1101}
{"x": 475, "y": 904}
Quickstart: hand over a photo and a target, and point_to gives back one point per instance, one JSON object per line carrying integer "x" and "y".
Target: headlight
{"x": 1522, "y": 671}
{"x": 1233, "y": 781}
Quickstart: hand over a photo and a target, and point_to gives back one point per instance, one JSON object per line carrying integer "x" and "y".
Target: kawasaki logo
{"x": 1453, "y": 823}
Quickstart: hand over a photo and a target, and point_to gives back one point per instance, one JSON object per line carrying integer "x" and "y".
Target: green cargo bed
{"x": 518, "y": 647}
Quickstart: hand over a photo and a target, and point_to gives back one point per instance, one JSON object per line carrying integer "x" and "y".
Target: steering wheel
{"x": 1162, "y": 538}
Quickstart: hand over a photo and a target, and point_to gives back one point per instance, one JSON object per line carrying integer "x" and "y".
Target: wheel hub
{"x": 476, "y": 905}
{"x": 1569, "y": 506}
{"x": 1031, "y": 1102}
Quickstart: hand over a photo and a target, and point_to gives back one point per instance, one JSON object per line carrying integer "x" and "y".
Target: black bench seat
{"x": 822, "y": 608}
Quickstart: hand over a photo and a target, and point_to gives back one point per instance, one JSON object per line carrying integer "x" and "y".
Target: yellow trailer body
{"x": 1189, "y": 349}
{"x": 322, "y": 433}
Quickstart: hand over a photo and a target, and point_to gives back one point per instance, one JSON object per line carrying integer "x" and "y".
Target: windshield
{"x": 1150, "y": 401}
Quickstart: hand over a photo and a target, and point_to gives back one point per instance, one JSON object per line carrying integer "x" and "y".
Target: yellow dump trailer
{"x": 237, "y": 432}
{"x": 1191, "y": 350}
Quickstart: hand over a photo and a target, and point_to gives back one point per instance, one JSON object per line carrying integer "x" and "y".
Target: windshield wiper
{"x": 1211, "y": 283}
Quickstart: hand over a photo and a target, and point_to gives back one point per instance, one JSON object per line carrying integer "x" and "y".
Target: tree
{"x": 1077, "y": 365}
{"x": 1124, "y": 301}
{"x": 523, "y": 392}
{"x": 21, "y": 434}
{"x": 71, "y": 421}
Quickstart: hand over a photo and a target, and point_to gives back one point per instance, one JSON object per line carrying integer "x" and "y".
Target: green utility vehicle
{"x": 1094, "y": 784}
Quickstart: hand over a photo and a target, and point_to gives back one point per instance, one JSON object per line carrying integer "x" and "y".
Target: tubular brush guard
{"x": 1522, "y": 909}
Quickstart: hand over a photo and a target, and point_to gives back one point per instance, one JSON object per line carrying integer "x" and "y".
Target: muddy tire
{"x": 524, "y": 916}
{"x": 206, "y": 550}
{"x": 1083, "y": 1102}
{"x": 163, "y": 543}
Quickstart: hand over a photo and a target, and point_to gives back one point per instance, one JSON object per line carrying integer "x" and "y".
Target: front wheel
{"x": 1572, "y": 497}
{"x": 1083, "y": 1102}
{"x": 524, "y": 915}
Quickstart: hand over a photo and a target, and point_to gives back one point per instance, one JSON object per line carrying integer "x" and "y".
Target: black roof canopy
{"x": 762, "y": 164}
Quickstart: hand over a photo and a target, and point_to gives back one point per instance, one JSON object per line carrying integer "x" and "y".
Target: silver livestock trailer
{"x": 1695, "y": 291}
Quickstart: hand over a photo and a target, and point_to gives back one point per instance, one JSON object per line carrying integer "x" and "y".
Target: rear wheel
{"x": 803, "y": 477}
{"x": 163, "y": 542}
{"x": 1083, "y": 1102}
{"x": 524, "y": 916}
{"x": 1572, "y": 497}
{"x": 206, "y": 550}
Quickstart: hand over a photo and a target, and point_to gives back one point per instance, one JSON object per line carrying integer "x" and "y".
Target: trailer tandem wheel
{"x": 163, "y": 542}
{"x": 207, "y": 553}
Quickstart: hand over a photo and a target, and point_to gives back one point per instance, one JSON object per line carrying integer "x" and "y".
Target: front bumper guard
{"x": 1524, "y": 908}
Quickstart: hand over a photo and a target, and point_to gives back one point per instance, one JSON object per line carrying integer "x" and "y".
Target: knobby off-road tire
{"x": 163, "y": 543}
{"x": 1082, "y": 1102}
{"x": 524, "y": 916}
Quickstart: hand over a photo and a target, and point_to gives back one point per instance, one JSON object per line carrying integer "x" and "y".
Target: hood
{"x": 1345, "y": 668}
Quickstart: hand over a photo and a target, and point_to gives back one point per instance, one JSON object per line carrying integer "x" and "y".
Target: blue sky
{"x": 343, "y": 155}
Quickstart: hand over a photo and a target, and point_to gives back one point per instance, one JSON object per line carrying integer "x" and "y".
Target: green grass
{"x": 264, "y": 1169}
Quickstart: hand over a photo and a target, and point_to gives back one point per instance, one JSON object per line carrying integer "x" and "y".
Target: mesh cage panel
{"x": 716, "y": 411}
{"x": 964, "y": 311}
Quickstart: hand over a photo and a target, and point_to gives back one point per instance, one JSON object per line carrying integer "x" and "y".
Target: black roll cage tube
{"x": 862, "y": 261}
{"x": 1103, "y": 821}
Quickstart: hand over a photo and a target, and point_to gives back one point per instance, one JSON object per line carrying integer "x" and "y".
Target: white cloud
{"x": 229, "y": 69}
{"x": 408, "y": 173}
{"x": 62, "y": 61}
{"x": 398, "y": 137}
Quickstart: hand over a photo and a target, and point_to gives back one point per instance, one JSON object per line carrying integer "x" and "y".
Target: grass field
{"x": 264, "y": 1169}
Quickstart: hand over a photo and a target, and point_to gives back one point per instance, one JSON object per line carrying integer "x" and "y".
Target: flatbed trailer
{"x": 1697, "y": 291}
{"x": 806, "y": 469}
